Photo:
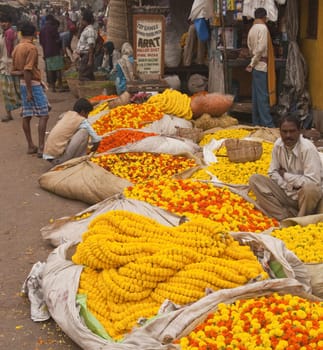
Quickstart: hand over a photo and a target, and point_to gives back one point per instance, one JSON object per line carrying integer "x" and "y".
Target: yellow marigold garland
{"x": 195, "y": 198}
{"x": 306, "y": 242}
{"x": 173, "y": 102}
{"x": 134, "y": 263}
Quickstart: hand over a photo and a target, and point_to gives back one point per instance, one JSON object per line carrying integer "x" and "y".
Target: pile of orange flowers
{"x": 100, "y": 98}
{"x": 134, "y": 116}
{"x": 138, "y": 167}
{"x": 194, "y": 198}
{"x": 265, "y": 323}
{"x": 122, "y": 137}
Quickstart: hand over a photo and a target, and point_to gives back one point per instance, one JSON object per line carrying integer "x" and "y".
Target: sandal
{"x": 39, "y": 155}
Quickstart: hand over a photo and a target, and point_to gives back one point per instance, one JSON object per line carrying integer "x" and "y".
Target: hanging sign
{"x": 149, "y": 45}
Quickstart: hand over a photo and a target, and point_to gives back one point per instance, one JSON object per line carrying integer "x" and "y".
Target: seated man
{"x": 69, "y": 137}
{"x": 295, "y": 183}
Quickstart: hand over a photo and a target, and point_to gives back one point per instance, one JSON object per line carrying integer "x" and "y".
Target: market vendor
{"x": 70, "y": 136}
{"x": 125, "y": 69}
{"x": 295, "y": 183}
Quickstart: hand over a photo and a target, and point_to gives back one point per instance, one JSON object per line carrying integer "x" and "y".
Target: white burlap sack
{"x": 173, "y": 81}
{"x": 160, "y": 144}
{"x": 60, "y": 284}
{"x": 69, "y": 229}
{"x": 197, "y": 83}
{"x": 82, "y": 180}
{"x": 167, "y": 125}
{"x": 292, "y": 266}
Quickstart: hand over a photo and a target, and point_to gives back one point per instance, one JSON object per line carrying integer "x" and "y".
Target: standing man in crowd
{"x": 51, "y": 43}
{"x": 86, "y": 46}
{"x": 295, "y": 183}
{"x": 9, "y": 83}
{"x": 262, "y": 67}
{"x": 34, "y": 99}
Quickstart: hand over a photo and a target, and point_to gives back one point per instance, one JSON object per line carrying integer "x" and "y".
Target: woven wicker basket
{"x": 242, "y": 151}
{"x": 193, "y": 134}
{"x": 73, "y": 86}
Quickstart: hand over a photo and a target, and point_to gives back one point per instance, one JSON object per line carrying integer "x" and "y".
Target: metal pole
{"x": 225, "y": 56}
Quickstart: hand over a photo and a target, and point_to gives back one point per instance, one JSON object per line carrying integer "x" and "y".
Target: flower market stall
{"x": 174, "y": 242}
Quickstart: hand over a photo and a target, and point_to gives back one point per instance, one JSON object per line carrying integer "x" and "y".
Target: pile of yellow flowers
{"x": 99, "y": 108}
{"x": 281, "y": 322}
{"x": 193, "y": 198}
{"x": 137, "y": 167}
{"x": 173, "y": 102}
{"x": 134, "y": 116}
{"x": 305, "y": 241}
{"x": 236, "y": 173}
{"x": 224, "y": 134}
{"x": 133, "y": 264}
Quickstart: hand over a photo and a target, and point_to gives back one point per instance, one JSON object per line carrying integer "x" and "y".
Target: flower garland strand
{"x": 133, "y": 264}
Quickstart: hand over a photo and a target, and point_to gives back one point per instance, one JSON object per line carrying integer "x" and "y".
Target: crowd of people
{"x": 22, "y": 83}
{"x": 294, "y": 186}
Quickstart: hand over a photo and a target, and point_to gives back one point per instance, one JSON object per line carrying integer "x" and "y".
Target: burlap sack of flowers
{"x": 266, "y": 134}
{"x": 242, "y": 151}
{"x": 61, "y": 278}
{"x": 82, "y": 180}
{"x": 207, "y": 122}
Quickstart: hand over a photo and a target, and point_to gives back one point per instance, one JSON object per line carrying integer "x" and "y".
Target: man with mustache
{"x": 294, "y": 186}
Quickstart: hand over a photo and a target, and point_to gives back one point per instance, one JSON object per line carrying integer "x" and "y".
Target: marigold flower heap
{"x": 224, "y": 134}
{"x": 237, "y": 173}
{"x": 173, "y": 102}
{"x": 134, "y": 116}
{"x": 134, "y": 263}
{"x": 229, "y": 172}
{"x": 195, "y": 198}
{"x": 264, "y": 323}
{"x": 306, "y": 242}
{"x": 137, "y": 167}
{"x": 122, "y": 137}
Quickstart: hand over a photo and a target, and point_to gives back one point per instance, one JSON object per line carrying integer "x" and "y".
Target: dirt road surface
{"x": 25, "y": 209}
